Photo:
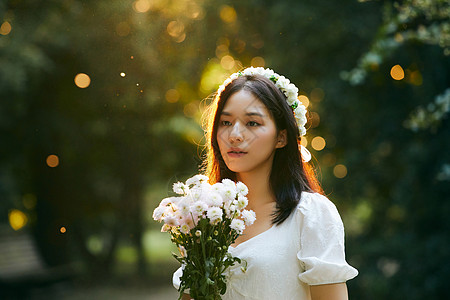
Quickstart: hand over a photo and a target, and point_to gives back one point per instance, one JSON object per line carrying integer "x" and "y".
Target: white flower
{"x": 282, "y": 82}
{"x": 241, "y": 189}
{"x": 241, "y": 202}
{"x": 180, "y": 188}
{"x": 168, "y": 201}
{"x": 184, "y": 207}
{"x": 229, "y": 193}
{"x": 158, "y": 213}
{"x": 228, "y": 182}
{"x": 189, "y": 221}
{"x": 165, "y": 228}
{"x": 217, "y": 187}
{"x": 214, "y": 214}
{"x": 237, "y": 225}
{"x": 214, "y": 199}
{"x": 184, "y": 228}
{"x": 198, "y": 208}
{"x": 198, "y": 233}
{"x": 248, "y": 216}
{"x": 197, "y": 181}
{"x": 171, "y": 220}
{"x": 195, "y": 194}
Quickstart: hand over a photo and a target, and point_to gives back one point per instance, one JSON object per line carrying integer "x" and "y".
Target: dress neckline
{"x": 252, "y": 238}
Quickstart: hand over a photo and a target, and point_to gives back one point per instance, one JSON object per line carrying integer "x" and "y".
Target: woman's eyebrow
{"x": 225, "y": 113}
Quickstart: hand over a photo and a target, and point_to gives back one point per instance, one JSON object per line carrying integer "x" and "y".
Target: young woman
{"x": 295, "y": 248}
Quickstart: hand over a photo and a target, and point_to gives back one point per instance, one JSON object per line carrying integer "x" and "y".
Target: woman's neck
{"x": 259, "y": 189}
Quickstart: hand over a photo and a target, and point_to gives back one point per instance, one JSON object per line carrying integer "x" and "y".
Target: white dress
{"x": 306, "y": 249}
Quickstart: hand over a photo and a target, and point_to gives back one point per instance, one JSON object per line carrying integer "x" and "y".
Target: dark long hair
{"x": 289, "y": 176}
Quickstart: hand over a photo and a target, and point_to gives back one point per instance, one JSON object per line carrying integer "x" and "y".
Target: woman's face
{"x": 247, "y": 134}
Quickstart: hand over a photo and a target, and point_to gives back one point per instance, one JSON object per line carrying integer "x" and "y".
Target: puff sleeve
{"x": 321, "y": 254}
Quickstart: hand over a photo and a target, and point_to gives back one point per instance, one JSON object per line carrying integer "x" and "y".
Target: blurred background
{"x": 100, "y": 113}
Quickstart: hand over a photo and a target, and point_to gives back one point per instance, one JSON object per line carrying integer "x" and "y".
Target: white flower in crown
{"x": 282, "y": 83}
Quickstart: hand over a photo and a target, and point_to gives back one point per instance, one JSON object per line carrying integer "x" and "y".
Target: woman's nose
{"x": 236, "y": 134}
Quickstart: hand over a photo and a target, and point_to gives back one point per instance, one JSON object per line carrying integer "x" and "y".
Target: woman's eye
{"x": 253, "y": 123}
{"x": 225, "y": 123}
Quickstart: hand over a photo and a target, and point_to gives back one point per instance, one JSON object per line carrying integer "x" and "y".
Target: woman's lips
{"x": 236, "y": 154}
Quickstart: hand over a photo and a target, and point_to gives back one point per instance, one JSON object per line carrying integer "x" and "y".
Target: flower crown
{"x": 281, "y": 82}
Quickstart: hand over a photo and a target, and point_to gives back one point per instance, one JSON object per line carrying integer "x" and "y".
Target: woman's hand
{"x": 336, "y": 291}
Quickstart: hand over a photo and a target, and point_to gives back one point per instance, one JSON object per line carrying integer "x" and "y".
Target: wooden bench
{"x": 21, "y": 266}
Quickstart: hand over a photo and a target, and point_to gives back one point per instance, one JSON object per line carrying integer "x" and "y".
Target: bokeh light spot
{"x": 141, "y": 6}
{"x": 29, "y": 201}
{"x": 62, "y": 229}
{"x": 228, "y": 14}
{"x": 258, "y": 61}
{"x": 172, "y": 96}
{"x": 314, "y": 119}
{"x": 304, "y": 141}
{"x": 221, "y": 50}
{"x": 304, "y": 100}
{"x": 17, "y": 219}
{"x": 416, "y": 78}
{"x": 52, "y": 161}
{"x": 227, "y": 62}
{"x": 340, "y": 171}
{"x": 397, "y": 72}
{"x": 82, "y": 80}
{"x": 318, "y": 143}
{"x": 191, "y": 109}
{"x": 5, "y": 29}
{"x": 123, "y": 74}
{"x": 175, "y": 29}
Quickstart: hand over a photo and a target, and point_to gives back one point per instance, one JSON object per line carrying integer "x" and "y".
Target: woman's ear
{"x": 281, "y": 138}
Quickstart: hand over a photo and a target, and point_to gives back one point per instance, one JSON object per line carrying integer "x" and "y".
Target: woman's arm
{"x": 337, "y": 291}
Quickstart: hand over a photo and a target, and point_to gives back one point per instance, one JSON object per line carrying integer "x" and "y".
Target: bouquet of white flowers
{"x": 203, "y": 222}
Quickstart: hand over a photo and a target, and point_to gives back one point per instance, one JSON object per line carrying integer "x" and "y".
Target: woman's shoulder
{"x": 317, "y": 207}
